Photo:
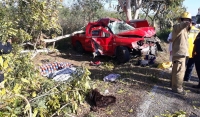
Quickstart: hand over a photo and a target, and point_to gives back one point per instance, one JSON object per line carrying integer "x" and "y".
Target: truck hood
{"x": 143, "y": 32}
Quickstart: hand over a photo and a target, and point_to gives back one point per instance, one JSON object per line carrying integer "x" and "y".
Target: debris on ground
{"x": 106, "y": 91}
{"x": 63, "y": 74}
{"x": 165, "y": 65}
{"x": 111, "y": 77}
{"x": 146, "y": 61}
{"x": 100, "y": 101}
{"x": 49, "y": 68}
{"x": 45, "y": 61}
{"x": 96, "y": 63}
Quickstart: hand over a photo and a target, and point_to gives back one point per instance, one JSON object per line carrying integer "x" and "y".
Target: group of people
{"x": 184, "y": 52}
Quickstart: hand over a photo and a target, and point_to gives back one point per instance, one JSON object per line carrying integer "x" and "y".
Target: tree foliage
{"x": 81, "y": 12}
{"x": 24, "y": 92}
{"x": 164, "y": 11}
{"x": 27, "y": 19}
{"x": 154, "y": 10}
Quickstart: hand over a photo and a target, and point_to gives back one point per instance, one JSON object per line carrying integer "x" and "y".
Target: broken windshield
{"x": 118, "y": 27}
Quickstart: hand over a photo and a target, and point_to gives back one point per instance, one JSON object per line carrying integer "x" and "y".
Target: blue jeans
{"x": 189, "y": 68}
{"x": 197, "y": 65}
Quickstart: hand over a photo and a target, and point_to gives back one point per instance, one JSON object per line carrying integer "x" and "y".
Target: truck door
{"x": 94, "y": 34}
{"x": 104, "y": 41}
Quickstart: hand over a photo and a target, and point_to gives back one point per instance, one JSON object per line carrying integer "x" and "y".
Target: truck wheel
{"x": 122, "y": 54}
{"x": 79, "y": 47}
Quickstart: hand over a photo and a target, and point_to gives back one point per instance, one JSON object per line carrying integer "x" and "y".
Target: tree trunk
{"x": 126, "y": 7}
{"x": 137, "y": 8}
{"x": 147, "y": 12}
{"x": 155, "y": 16}
{"x": 128, "y": 10}
{"x": 136, "y": 14}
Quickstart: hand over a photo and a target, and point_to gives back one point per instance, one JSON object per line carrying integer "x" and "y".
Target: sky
{"x": 192, "y": 6}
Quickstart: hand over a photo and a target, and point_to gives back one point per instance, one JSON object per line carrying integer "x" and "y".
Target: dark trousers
{"x": 189, "y": 68}
{"x": 197, "y": 66}
{"x": 1, "y": 76}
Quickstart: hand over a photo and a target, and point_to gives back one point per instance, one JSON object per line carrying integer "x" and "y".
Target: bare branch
{"x": 27, "y": 102}
{"x": 61, "y": 37}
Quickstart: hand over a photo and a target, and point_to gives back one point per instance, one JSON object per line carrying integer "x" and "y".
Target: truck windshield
{"x": 118, "y": 27}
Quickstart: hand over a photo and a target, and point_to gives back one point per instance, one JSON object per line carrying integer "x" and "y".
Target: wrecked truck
{"x": 113, "y": 37}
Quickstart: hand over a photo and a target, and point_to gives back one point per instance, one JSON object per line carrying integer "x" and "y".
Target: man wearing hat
{"x": 190, "y": 61}
{"x": 180, "y": 51}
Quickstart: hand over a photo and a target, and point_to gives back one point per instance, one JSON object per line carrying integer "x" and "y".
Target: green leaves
{"x": 50, "y": 98}
{"x": 28, "y": 18}
{"x": 17, "y": 88}
{"x": 24, "y": 89}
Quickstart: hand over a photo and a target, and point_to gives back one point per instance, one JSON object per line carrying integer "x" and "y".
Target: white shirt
{"x": 170, "y": 43}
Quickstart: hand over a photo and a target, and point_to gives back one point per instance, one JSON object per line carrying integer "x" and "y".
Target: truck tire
{"x": 122, "y": 54}
{"x": 79, "y": 47}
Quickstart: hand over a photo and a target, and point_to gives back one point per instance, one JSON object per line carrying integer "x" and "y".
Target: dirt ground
{"x": 134, "y": 83}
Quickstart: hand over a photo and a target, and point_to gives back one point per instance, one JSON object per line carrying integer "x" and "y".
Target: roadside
{"x": 140, "y": 91}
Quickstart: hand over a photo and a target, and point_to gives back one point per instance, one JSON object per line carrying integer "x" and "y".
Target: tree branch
{"x": 61, "y": 109}
{"x": 61, "y": 37}
{"x": 27, "y": 102}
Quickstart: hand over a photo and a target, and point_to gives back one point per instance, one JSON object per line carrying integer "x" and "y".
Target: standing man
{"x": 4, "y": 49}
{"x": 180, "y": 51}
{"x": 190, "y": 61}
{"x": 196, "y": 56}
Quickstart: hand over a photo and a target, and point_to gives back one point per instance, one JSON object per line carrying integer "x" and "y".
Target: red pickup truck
{"x": 138, "y": 23}
{"x": 113, "y": 37}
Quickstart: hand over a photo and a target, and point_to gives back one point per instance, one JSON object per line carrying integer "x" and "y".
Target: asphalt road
{"x": 161, "y": 99}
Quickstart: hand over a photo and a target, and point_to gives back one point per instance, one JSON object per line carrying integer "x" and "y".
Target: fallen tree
{"x": 61, "y": 37}
{"x": 46, "y": 50}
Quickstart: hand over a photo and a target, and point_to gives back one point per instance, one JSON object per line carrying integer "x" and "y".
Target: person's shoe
{"x": 196, "y": 86}
{"x": 181, "y": 93}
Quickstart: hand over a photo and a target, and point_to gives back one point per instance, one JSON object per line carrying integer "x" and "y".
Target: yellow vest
{"x": 192, "y": 36}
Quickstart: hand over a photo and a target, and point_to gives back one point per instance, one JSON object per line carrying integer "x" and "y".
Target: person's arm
{"x": 7, "y": 48}
{"x": 177, "y": 28}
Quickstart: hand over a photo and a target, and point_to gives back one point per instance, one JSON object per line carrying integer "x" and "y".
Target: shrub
{"x": 163, "y": 34}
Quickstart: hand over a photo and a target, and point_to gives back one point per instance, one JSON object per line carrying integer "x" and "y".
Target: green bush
{"x": 163, "y": 34}
{"x": 63, "y": 44}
